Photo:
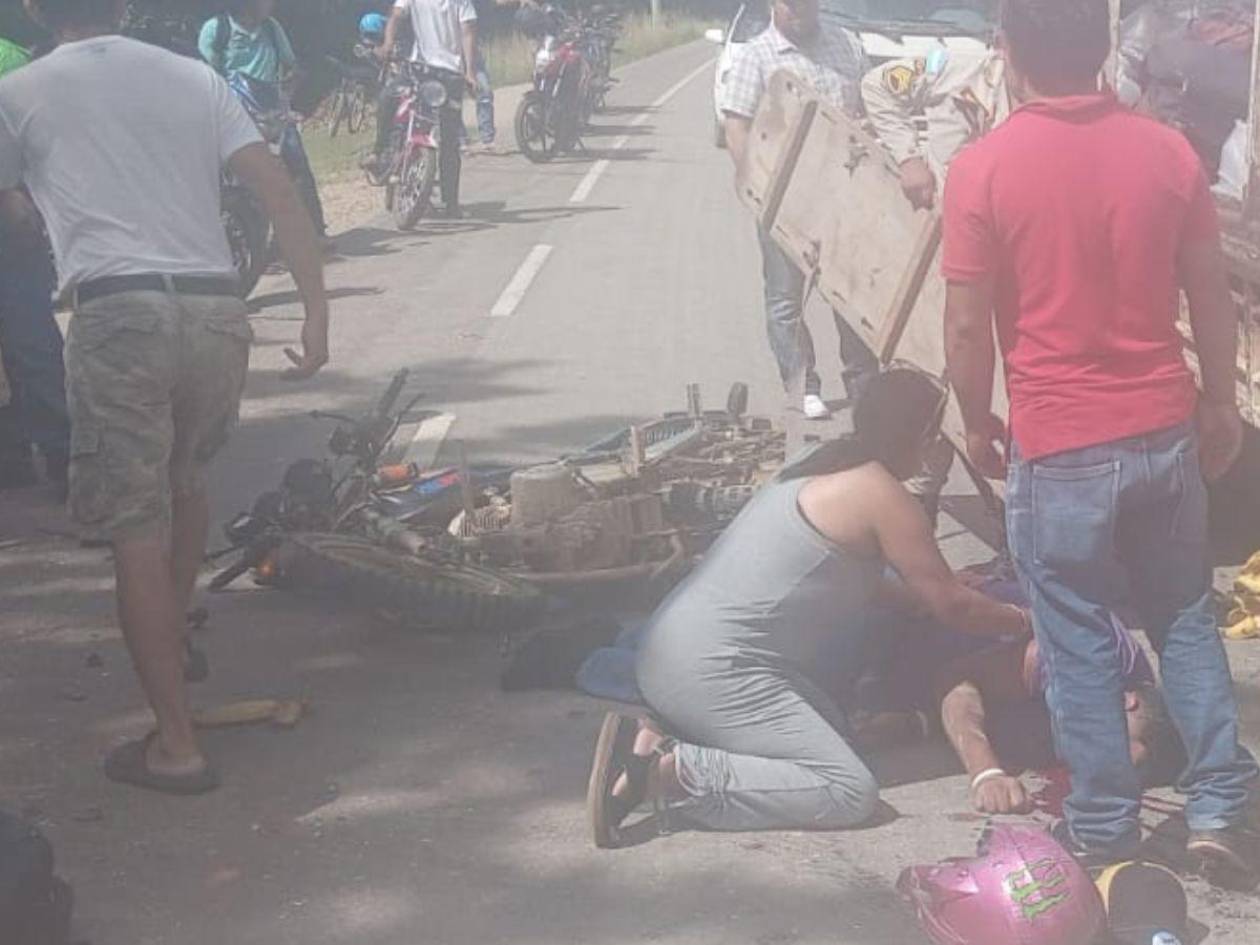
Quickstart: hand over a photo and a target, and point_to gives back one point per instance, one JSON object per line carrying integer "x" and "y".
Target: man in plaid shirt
{"x": 830, "y": 59}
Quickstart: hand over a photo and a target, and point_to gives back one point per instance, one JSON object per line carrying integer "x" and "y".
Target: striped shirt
{"x": 833, "y": 64}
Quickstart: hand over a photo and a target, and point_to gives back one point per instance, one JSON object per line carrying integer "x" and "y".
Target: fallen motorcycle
{"x": 632, "y": 511}
{"x": 365, "y": 527}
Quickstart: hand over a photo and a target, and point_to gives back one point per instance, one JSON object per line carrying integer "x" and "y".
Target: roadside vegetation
{"x": 510, "y": 59}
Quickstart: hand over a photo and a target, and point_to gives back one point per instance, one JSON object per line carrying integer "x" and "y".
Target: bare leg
{"x": 190, "y": 525}
{"x": 152, "y": 624}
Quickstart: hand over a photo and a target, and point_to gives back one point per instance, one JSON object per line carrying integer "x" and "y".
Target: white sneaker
{"x": 816, "y": 408}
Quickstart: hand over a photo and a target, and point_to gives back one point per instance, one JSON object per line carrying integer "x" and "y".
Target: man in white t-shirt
{"x": 120, "y": 144}
{"x": 445, "y": 38}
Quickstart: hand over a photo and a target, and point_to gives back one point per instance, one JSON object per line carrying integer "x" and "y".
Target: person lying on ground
{"x": 990, "y": 701}
{"x": 725, "y": 661}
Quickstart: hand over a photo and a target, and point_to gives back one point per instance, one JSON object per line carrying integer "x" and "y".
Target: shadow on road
{"x": 276, "y": 299}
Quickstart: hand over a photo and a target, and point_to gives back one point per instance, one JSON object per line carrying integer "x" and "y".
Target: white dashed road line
{"x": 588, "y": 181}
{"x": 537, "y": 258}
{"x": 674, "y": 90}
{"x": 521, "y": 282}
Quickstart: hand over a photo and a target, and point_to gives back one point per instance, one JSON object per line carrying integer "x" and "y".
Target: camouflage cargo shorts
{"x": 154, "y": 383}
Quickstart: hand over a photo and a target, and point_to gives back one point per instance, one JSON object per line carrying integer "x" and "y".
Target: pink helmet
{"x": 1022, "y": 889}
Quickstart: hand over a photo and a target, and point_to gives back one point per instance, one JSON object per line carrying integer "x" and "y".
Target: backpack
{"x": 34, "y": 904}
{"x": 223, "y": 36}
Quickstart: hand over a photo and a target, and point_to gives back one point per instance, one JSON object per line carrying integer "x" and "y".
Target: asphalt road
{"x": 418, "y": 804}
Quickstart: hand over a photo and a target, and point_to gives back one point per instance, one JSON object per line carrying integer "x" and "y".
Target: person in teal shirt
{"x": 248, "y": 47}
{"x": 12, "y": 56}
{"x": 256, "y": 45}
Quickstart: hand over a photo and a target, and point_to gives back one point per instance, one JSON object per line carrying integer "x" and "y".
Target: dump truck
{"x": 825, "y": 188}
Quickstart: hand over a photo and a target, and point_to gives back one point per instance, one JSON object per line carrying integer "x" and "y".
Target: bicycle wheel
{"x": 359, "y": 108}
{"x": 338, "y": 108}
{"x": 446, "y": 595}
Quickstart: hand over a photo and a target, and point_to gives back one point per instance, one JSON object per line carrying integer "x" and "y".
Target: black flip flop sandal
{"x": 613, "y": 749}
{"x": 127, "y": 764}
{"x": 614, "y": 756}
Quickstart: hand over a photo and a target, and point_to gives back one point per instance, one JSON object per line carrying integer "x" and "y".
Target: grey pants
{"x": 763, "y": 751}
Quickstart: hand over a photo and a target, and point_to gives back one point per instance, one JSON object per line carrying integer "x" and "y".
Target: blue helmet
{"x": 372, "y": 26}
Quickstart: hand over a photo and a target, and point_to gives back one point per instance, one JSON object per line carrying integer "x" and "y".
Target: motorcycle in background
{"x": 599, "y": 39}
{"x": 245, "y": 221}
{"x": 551, "y": 115}
{"x": 572, "y": 76}
{"x": 409, "y": 166}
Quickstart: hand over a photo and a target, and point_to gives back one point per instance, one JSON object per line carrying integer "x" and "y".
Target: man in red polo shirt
{"x": 1074, "y": 226}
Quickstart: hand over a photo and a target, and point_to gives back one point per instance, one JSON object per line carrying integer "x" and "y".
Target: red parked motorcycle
{"x": 551, "y": 116}
{"x": 409, "y": 166}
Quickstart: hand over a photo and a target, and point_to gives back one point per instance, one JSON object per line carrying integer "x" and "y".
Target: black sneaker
{"x": 1092, "y": 860}
{"x": 453, "y": 212}
{"x": 1228, "y": 857}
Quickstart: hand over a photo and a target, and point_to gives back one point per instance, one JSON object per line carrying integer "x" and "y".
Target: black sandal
{"x": 614, "y": 757}
{"x": 128, "y": 764}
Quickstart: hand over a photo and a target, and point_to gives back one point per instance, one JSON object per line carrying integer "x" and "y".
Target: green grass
{"x": 639, "y": 39}
{"x": 510, "y": 59}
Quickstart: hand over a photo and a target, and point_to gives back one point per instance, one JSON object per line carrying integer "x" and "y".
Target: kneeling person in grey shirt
{"x": 726, "y": 661}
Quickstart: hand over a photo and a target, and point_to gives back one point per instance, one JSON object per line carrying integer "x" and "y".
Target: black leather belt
{"x": 153, "y": 282}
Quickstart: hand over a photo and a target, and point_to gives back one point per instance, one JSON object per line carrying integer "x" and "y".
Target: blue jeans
{"x": 790, "y": 339}
{"x": 31, "y": 342}
{"x": 485, "y": 102}
{"x": 485, "y": 105}
{"x": 1091, "y": 530}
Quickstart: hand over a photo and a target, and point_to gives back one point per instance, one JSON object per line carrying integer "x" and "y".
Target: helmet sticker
{"x": 1038, "y": 888}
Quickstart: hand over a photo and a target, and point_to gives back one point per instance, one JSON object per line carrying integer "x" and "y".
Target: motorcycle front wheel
{"x": 248, "y": 235}
{"x": 446, "y": 595}
{"x": 414, "y": 191}
{"x": 533, "y": 137}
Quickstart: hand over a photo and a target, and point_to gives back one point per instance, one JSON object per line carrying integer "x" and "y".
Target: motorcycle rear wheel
{"x": 414, "y": 192}
{"x": 248, "y": 235}
{"x": 533, "y": 137}
{"x": 445, "y": 595}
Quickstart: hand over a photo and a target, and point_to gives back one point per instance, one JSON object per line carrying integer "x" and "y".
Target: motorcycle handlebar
{"x": 392, "y": 394}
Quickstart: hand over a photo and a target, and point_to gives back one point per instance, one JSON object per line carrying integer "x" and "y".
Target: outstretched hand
{"x": 1220, "y": 429}
{"x": 918, "y": 183}
{"x": 986, "y": 448}
{"x": 314, "y": 353}
{"x": 1001, "y": 795}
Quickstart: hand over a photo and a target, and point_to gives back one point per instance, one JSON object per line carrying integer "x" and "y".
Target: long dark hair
{"x": 899, "y": 410}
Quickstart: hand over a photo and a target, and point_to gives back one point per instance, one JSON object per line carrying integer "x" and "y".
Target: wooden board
{"x": 831, "y": 198}
{"x": 835, "y": 206}
{"x": 781, "y": 122}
